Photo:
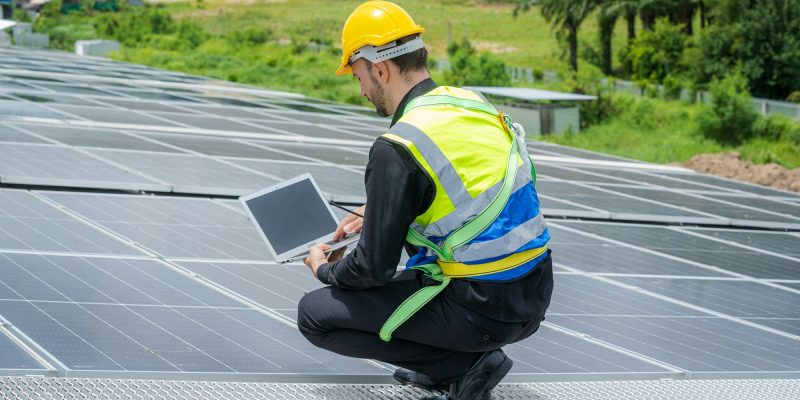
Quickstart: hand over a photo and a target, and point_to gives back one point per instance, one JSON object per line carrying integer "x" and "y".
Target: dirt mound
{"x": 731, "y": 165}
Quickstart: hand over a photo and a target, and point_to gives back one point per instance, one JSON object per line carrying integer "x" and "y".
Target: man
{"x": 451, "y": 181}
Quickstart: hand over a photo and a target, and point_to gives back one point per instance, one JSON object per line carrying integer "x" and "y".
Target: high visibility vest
{"x": 484, "y": 222}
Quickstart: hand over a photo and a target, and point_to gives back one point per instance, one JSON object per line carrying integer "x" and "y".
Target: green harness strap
{"x": 458, "y": 237}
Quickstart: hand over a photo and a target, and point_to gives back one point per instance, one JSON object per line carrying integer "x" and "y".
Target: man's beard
{"x": 378, "y": 98}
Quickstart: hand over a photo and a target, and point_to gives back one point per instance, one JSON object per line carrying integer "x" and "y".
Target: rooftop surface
{"x": 128, "y": 267}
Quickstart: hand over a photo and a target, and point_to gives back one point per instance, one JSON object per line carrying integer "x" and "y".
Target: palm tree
{"x": 565, "y": 15}
{"x": 606, "y": 19}
{"x": 630, "y": 10}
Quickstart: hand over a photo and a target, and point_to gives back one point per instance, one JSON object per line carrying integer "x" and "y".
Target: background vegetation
{"x": 734, "y": 48}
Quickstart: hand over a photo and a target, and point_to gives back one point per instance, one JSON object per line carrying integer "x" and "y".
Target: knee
{"x": 310, "y": 321}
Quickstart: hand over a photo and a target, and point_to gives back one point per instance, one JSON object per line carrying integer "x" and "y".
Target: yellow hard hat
{"x": 374, "y": 23}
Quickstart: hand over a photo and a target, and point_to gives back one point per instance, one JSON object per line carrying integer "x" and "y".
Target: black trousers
{"x": 442, "y": 340}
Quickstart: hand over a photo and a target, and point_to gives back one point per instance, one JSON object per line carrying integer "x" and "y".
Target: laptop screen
{"x": 292, "y": 216}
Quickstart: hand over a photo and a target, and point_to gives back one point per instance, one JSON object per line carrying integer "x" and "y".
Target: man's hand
{"x": 349, "y": 224}
{"x": 317, "y": 256}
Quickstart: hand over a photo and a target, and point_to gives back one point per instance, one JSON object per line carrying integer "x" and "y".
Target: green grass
{"x": 526, "y": 40}
{"x": 664, "y": 132}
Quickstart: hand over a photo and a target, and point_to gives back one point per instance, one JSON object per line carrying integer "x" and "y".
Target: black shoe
{"x": 482, "y": 377}
{"x": 422, "y": 381}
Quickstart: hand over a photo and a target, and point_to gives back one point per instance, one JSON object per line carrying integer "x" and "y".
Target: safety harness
{"x": 445, "y": 267}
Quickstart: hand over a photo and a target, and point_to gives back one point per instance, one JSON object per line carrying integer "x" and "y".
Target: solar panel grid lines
{"x": 90, "y": 312}
{"x": 613, "y": 347}
{"x": 60, "y": 165}
{"x": 170, "y": 228}
{"x": 188, "y": 173}
{"x": 781, "y": 206}
{"x": 560, "y": 225}
{"x": 728, "y": 183}
{"x": 708, "y": 311}
{"x": 574, "y": 209}
{"x": 737, "y": 244}
{"x": 703, "y": 251}
{"x": 738, "y": 213}
{"x": 91, "y": 223}
{"x": 269, "y": 311}
{"x": 713, "y": 217}
{"x": 738, "y": 298}
{"x": 30, "y": 224}
{"x": 94, "y": 308}
{"x": 18, "y": 357}
{"x": 626, "y": 207}
{"x": 644, "y": 177}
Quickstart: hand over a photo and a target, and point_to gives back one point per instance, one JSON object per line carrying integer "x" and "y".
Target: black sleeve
{"x": 398, "y": 190}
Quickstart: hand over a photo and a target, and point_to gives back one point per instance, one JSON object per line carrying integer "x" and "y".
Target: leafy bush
{"x": 250, "y": 36}
{"x": 467, "y": 68}
{"x": 730, "y": 116}
{"x": 658, "y": 53}
{"x": 673, "y": 87}
{"x": 777, "y": 127}
{"x": 64, "y": 36}
{"x": 597, "y": 111}
{"x": 20, "y": 15}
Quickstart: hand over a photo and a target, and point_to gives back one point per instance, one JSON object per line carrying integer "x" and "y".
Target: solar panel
{"x": 739, "y": 216}
{"x": 590, "y": 174}
{"x": 88, "y": 137}
{"x": 26, "y": 223}
{"x": 187, "y": 173}
{"x": 172, "y": 227}
{"x": 776, "y": 242}
{"x": 725, "y": 296}
{"x": 10, "y": 134}
{"x": 729, "y": 184}
{"x": 39, "y": 97}
{"x": 580, "y": 295}
{"x": 696, "y": 344}
{"x": 338, "y": 183}
{"x": 100, "y": 114}
{"x": 140, "y": 105}
{"x": 726, "y": 257}
{"x": 774, "y": 205}
{"x": 216, "y": 146}
{"x": 136, "y": 329}
{"x": 14, "y": 357}
{"x": 579, "y": 249}
{"x": 623, "y": 207}
{"x": 62, "y": 166}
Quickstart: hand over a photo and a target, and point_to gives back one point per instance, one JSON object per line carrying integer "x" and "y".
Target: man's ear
{"x": 381, "y": 71}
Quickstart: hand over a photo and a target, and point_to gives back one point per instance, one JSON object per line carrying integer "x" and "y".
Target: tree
{"x": 730, "y": 116}
{"x": 607, "y": 20}
{"x": 760, "y": 37}
{"x": 659, "y": 53}
{"x": 629, "y": 9}
{"x": 566, "y": 16}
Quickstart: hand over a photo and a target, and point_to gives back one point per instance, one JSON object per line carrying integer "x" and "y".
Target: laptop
{"x": 293, "y": 216}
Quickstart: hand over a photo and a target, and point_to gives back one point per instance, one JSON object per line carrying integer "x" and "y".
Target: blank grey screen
{"x": 292, "y": 216}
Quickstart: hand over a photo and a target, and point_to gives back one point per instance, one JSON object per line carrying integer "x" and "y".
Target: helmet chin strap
{"x": 390, "y": 50}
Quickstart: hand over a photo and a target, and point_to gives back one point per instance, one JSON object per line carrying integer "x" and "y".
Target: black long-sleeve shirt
{"x": 398, "y": 190}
